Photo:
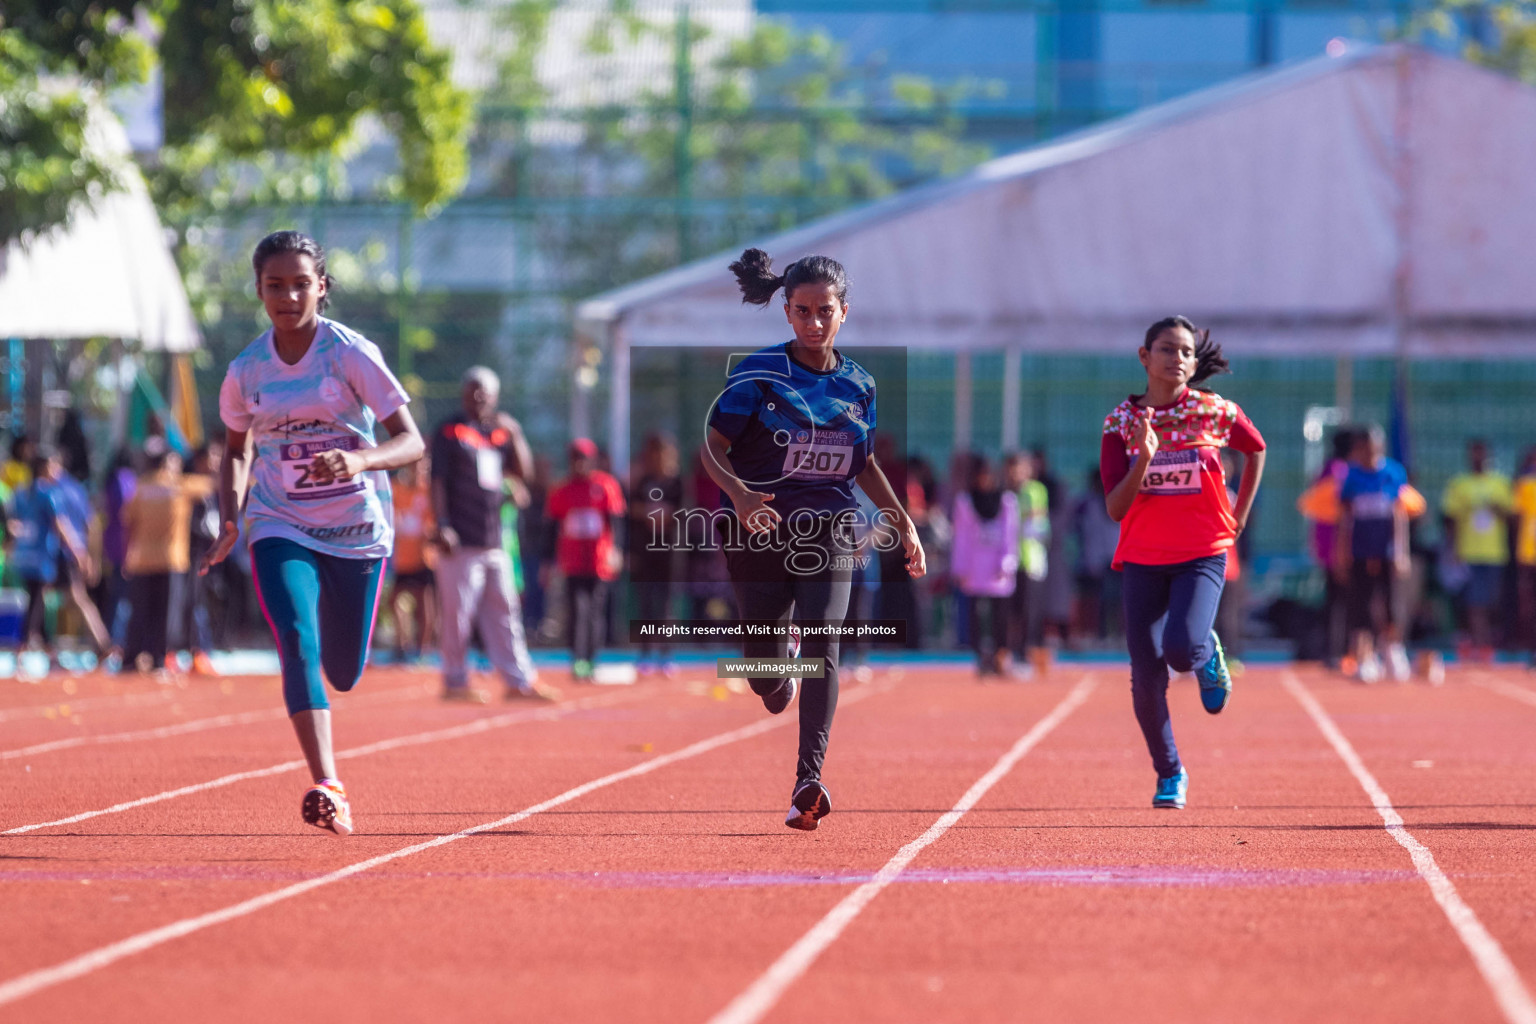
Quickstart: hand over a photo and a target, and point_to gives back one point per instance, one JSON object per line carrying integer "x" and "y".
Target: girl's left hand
{"x": 336, "y": 466}
{"x": 917, "y": 561}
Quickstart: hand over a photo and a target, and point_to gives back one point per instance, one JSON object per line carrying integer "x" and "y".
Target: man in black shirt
{"x": 471, "y": 454}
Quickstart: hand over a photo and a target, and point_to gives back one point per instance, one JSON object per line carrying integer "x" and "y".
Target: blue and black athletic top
{"x": 796, "y": 433}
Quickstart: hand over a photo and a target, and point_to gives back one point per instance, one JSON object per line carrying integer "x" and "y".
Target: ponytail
{"x": 755, "y": 276}
{"x": 1209, "y": 360}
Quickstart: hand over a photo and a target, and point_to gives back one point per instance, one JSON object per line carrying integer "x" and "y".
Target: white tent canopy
{"x": 1379, "y": 202}
{"x": 107, "y": 273}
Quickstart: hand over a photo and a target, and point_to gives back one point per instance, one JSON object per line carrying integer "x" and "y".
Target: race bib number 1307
{"x": 1173, "y": 473}
{"x": 826, "y": 454}
{"x": 298, "y": 482}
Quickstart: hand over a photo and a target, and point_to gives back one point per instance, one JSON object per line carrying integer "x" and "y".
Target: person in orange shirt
{"x": 1164, "y": 485}
{"x": 411, "y": 566}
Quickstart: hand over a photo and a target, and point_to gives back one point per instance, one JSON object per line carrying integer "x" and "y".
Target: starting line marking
{"x": 1492, "y": 962}
{"x": 35, "y": 981}
{"x": 763, "y": 993}
{"x": 415, "y": 739}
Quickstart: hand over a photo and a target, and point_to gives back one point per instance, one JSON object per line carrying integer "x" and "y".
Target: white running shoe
{"x": 1370, "y": 669}
{"x": 1397, "y": 663}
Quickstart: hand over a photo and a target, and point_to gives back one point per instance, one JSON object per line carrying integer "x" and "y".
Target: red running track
{"x": 620, "y": 857}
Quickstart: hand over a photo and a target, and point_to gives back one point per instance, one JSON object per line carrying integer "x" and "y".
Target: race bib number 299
{"x": 299, "y": 483}
{"x": 1173, "y": 473}
{"x": 824, "y": 454}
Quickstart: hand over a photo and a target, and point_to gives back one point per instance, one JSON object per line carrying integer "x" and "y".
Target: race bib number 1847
{"x": 298, "y": 482}
{"x": 1173, "y": 473}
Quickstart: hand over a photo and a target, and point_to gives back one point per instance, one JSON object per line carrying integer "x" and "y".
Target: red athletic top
{"x": 584, "y": 507}
{"x": 1182, "y": 511}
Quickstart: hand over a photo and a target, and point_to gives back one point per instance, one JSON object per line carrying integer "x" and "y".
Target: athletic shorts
{"x": 1483, "y": 585}
{"x": 416, "y": 578}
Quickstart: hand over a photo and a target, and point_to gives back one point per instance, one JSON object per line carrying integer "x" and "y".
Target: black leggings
{"x": 805, "y": 577}
{"x": 586, "y": 615}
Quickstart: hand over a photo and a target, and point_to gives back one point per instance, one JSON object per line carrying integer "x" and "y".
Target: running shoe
{"x": 1215, "y": 679}
{"x": 1397, "y": 662}
{"x": 1172, "y": 792}
{"x": 1370, "y": 669}
{"x": 581, "y": 670}
{"x": 808, "y": 806}
{"x": 532, "y": 691}
{"x": 464, "y": 695}
{"x": 781, "y": 698}
{"x": 794, "y": 640}
{"x": 325, "y": 806}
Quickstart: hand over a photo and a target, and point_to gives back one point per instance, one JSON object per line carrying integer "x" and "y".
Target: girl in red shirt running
{"x": 1164, "y": 484}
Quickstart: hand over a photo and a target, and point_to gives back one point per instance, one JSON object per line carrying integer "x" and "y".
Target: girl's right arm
{"x": 234, "y": 478}
{"x": 1118, "y": 499}
{"x": 751, "y": 506}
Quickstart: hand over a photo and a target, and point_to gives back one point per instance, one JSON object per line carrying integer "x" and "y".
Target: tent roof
{"x": 107, "y": 273}
{"x": 1372, "y": 202}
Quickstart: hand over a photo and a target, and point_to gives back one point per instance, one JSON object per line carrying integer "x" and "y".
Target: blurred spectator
{"x": 934, "y": 530}
{"x": 896, "y": 596}
{"x": 117, "y": 491}
{"x": 470, "y": 454}
{"x": 985, "y": 563}
{"x": 1475, "y": 506}
{"x": 191, "y": 594}
{"x": 79, "y": 574}
{"x": 530, "y": 541}
{"x": 708, "y": 585}
{"x": 1525, "y": 552}
{"x": 1319, "y": 503}
{"x": 16, "y": 473}
{"x": 656, "y": 498}
{"x": 583, "y": 511}
{"x": 1373, "y": 555}
{"x": 1056, "y": 604}
{"x": 1098, "y": 587}
{"x": 159, "y": 523}
{"x": 1027, "y": 603}
{"x": 411, "y": 569}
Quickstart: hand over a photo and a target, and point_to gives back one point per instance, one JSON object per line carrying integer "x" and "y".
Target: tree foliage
{"x": 253, "y": 89}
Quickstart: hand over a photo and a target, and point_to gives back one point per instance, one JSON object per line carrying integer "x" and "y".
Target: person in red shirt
{"x": 582, "y": 510}
{"x": 1164, "y": 484}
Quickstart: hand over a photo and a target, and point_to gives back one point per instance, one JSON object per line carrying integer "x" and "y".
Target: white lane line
{"x": 1494, "y": 964}
{"x": 762, "y": 994}
{"x": 1506, "y": 689}
{"x": 127, "y": 700}
{"x": 34, "y": 981}
{"x": 470, "y": 729}
{"x": 200, "y": 724}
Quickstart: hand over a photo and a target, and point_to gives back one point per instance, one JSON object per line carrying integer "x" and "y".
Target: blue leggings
{"x": 1187, "y": 593}
{"x": 321, "y": 609}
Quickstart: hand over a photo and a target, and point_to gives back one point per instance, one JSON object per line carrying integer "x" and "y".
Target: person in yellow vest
{"x": 1525, "y": 550}
{"x": 1475, "y": 506}
{"x": 1026, "y": 609}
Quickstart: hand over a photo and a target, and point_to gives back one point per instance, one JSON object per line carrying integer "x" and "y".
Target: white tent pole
{"x": 962, "y": 401}
{"x": 1013, "y": 391}
{"x": 618, "y": 398}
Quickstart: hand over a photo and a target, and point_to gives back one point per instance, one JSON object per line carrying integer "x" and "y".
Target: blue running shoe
{"x": 1172, "y": 792}
{"x": 1215, "y": 679}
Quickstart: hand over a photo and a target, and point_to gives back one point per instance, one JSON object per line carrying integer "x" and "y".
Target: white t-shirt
{"x": 332, "y": 398}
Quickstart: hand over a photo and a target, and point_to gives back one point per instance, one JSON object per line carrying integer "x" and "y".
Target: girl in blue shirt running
{"x": 790, "y": 435}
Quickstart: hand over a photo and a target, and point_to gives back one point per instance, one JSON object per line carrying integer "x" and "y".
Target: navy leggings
{"x": 321, "y": 609}
{"x": 1187, "y": 594}
{"x": 771, "y": 584}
